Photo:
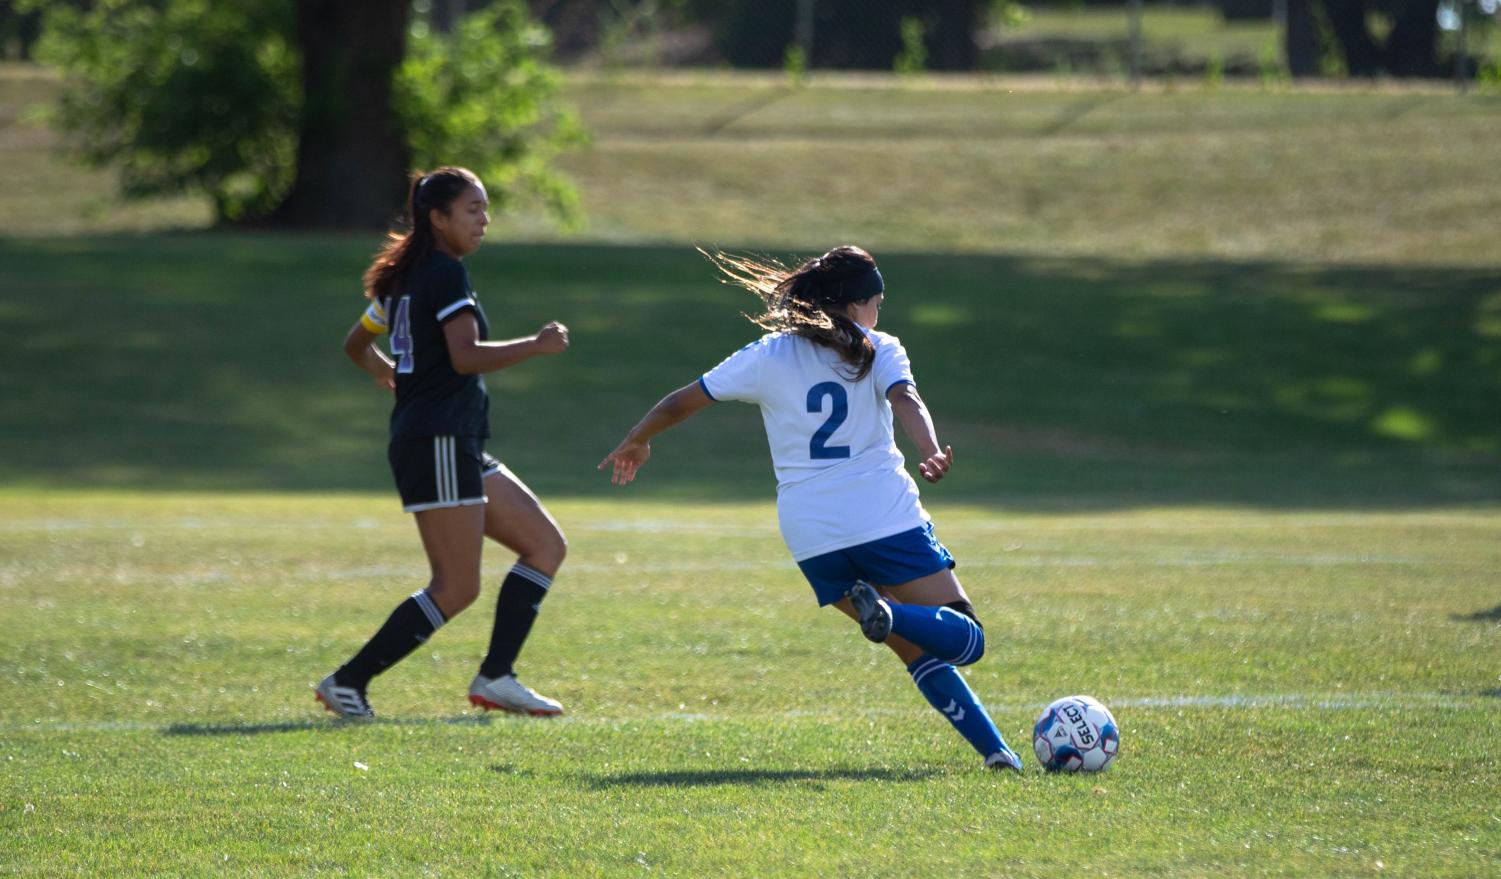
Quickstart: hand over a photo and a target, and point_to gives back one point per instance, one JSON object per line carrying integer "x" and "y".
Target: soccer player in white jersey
{"x": 828, "y": 385}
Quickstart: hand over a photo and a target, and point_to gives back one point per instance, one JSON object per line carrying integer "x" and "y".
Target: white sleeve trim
{"x": 462, "y": 303}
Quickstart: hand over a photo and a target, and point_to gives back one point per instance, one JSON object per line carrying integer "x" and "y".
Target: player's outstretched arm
{"x": 917, "y": 424}
{"x": 633, "y": 451}
{"x": 359, "y": 347}
{"x": 469, "y": 355}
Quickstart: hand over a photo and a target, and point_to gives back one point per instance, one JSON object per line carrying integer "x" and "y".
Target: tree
{"x": 847, "y": 33}
{"x": 1410, "y": 47}
{"x": 1302, "y": 43}
{"x": 352, "y": 152}
{"x": 303, "y": 112}
{"x": 179, "y": 98}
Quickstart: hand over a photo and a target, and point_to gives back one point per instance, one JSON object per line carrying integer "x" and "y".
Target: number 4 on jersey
{"x": 401, "y": 336}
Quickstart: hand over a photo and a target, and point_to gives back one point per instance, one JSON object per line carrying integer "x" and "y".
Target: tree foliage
{"x": 181, "y": 96}
{"x": 483, "y": 96}
{"x": 209, "y": 96}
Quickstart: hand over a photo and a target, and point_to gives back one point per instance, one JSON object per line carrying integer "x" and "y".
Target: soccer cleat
{"x": 873, "y": 611}
{"x": 347, "y": 702}
{"x": 1006, "y": 759}
{"x": 505, "y": 693}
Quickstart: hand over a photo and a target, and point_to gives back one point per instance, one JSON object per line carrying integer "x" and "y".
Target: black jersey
{"x": 431, "y": 398}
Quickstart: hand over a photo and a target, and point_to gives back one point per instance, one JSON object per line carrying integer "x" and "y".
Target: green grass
{"x": 1016, "y": 166}
{"x": 1059, "y": 382}
{"x": 1300, "y": 694}
{"x": 1022, "y": 167}
{"x": 1174, "y": 40}
{"x": 1221, "y": 369}
{"x": 46, "y": 190}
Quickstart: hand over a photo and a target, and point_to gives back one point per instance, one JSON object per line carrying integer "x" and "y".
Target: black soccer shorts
{"x": 433, "y": 472}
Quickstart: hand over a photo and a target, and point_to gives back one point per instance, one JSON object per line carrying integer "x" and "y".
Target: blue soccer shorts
{"x": 890, "y": 561}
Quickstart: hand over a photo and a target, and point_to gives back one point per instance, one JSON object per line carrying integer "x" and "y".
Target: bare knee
{"x": 546, "y": 553}
{"x": 453, "y": 594}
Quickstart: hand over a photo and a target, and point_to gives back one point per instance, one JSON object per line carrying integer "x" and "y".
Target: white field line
{"x": 1248, "y": 701}
{"x": 1170, "y": 522}
{"x": 625, "y": 566}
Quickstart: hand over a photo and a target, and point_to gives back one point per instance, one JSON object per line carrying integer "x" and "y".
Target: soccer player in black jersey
{"x": 419, "y": 292}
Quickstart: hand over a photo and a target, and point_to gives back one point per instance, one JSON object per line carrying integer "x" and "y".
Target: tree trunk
{"x": 1412, "y": 47}
{"x": 1348, "y": 18}
{"x": 352, "y": 154}
{"x": 1301, "y": 40}
{"x": 951, "y": 37}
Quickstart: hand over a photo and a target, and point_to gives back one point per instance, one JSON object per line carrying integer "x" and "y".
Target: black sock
{"x": 409, "y": 626}
{"x": 521, "y": 594}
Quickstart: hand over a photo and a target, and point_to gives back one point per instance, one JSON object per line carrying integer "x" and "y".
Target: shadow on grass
{"x": 1062, "y": 384}
{"x": 752, "y": 777}
{"x": 331, "y": 724}
{"x": 1480, "y": 616}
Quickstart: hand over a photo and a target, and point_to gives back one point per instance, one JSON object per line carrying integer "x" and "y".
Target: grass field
{"x": 1221, "y": 368}
{"x": 1181, "y": 36}
{"x": 1300, "y": 694}
{"x": 1018, "y": 166}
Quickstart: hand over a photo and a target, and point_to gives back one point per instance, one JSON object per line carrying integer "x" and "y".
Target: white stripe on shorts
{"x": 453, "y": 469}
{"x": 443, "y": 469}
{"x": 445, "y": 479}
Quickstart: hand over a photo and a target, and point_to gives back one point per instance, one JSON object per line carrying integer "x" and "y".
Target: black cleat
{"x": 874, "y": 612}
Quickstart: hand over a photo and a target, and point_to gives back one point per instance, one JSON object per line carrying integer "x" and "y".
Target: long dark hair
{"x": 807, "y": 301}
{"x": 436, "y": 189}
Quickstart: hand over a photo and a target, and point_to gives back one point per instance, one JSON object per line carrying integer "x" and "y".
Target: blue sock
{"x": 940, "y": 631}
{"x": 945, "y": 689}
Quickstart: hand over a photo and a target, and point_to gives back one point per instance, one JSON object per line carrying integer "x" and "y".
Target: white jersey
{"x": 841, "y": 481}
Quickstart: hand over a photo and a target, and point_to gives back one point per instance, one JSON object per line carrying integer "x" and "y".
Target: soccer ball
{"x": 1075, "y": 734}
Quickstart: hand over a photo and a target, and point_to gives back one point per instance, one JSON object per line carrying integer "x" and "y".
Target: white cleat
{"x": 1004, "y": 760}
{"x": 505, "y": 693}
{"x": 347, "y": 702}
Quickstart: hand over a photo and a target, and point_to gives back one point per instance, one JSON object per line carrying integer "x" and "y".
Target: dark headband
{"x": 854, "y": 288}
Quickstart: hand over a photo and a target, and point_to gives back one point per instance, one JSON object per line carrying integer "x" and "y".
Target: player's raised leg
{"x": 932, "y": 612}
{"x": 928, "y": 628}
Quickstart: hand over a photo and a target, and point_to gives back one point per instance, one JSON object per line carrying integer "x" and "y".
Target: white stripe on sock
{"x": 532, "y": 574}
{"x": 966, "y": 657}
{"x": 926, "y": 669}
{"x": 429, "y": 609}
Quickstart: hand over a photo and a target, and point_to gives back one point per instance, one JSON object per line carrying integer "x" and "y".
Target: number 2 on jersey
{"x": 839, "y": 409}
{"x": 401, "y": 336}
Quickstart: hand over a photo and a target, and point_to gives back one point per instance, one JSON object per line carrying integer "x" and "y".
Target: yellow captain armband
{"x": 374, "y": 319}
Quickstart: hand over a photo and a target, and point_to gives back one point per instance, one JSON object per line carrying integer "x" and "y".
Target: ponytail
{"x": 402, "y": 251}
{"x": 809, "y": 301}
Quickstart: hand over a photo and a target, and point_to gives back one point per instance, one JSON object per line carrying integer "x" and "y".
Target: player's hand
{"x": 937, "y": 464}
{"x": 625, "y": 461}
{"x": 552, "y": 338}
